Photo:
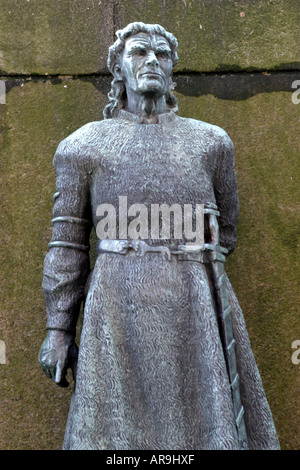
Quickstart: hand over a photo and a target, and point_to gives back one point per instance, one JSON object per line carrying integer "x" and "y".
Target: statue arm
{"x": 66, "y": 266}
{"x": 226, "y": 193}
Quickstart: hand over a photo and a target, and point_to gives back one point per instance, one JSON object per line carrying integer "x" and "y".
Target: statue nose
{"x": 151, "y": 59}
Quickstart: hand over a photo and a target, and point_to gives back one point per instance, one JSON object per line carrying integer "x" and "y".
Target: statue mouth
{"x": 150, "y": 73}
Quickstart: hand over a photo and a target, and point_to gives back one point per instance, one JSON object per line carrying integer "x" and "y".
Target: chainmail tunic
{"x": 151, "y": 371}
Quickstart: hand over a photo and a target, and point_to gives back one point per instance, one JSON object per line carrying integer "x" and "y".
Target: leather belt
{"x": 202, "y": 254}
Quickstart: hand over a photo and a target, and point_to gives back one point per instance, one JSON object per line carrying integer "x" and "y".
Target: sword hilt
{"x": 211, "y": 210}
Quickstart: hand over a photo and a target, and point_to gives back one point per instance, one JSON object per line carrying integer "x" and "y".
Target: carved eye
{"x": 163, "y": 54}
{"x": 140, "y": 51}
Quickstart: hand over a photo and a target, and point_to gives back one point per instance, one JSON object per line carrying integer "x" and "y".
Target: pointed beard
{"x": 148, "y": 107}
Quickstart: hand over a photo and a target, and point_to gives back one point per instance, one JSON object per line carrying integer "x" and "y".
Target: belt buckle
{"x": 191, "y": 253}
{"x": 141, "y": 248}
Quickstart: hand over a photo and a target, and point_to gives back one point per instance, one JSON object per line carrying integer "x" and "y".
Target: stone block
{"x": 55, "y": 37}
{"x": 72, "y": 37}
{"x": 224, "y": 35}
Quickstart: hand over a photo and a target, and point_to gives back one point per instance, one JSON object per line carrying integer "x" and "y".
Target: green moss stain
{"x": 55, "y": 37}
{"x": 37, "y": 116}
{"x": 264, "y": 269}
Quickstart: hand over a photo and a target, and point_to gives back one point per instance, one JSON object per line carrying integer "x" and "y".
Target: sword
{"x": 217, "y": 258}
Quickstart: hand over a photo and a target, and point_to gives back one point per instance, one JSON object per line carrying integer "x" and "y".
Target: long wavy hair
{"x": 117, "y": 95}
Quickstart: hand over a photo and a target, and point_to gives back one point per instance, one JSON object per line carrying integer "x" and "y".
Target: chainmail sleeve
{"x": 226, "y": 193}
{"x": 66, "y": 265}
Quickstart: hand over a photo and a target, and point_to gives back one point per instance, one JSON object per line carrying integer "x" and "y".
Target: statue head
{"x": 117, "y": 95}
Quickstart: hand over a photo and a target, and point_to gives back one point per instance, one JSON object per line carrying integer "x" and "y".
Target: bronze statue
{"x": 164, "y": 360}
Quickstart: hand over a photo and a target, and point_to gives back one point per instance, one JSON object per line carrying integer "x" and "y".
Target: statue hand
{"x": 59, "y": 352}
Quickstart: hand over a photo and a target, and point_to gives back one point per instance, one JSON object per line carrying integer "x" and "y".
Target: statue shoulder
{"x": 208, "y": 131}
{"x": 75, "y": 148}
{"x": 223, "y": 138}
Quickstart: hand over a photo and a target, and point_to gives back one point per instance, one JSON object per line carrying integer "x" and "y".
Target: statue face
{"x": 146, "y": 65}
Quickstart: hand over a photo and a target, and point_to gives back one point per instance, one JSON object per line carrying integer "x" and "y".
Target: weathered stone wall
{"x": 238, "y": 61}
